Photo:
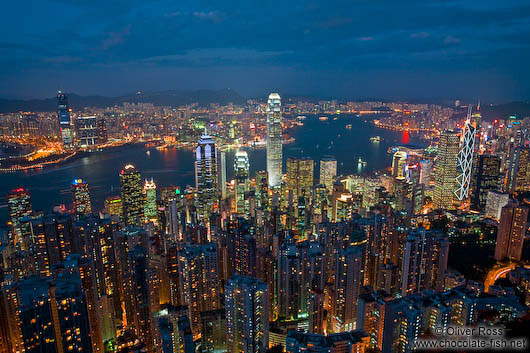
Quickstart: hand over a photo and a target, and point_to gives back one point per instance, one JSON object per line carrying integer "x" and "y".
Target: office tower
{"x": 241, "y": 173}
{"x": 262, "y": 189}
{"x": 206, "y": 177}
{"x": 87, "y": 131}
{"x": 114, "y": 207}
{"x": 511, "y": 232}
{"x": 299, "y": 177}
{"x": 518, "y": 170}
{"x": 150, "y": 208}
{"x": 65, "y": 124}
{"x": 399, "y": 161}
{"x": 446, "y": 170}
{"x": 221, "y": 177}
{"x": 425, "y": 172}
{"x": 274, "y": 140}
{"x": 173, "y": 327}
{"x": 465, "y": 158}
{"x": 132, "y": 196}
{"x": 312, "y": 272}
{"x": 328, "y": 172}
{"x": 424, "y": 261}
{"x": 349, "y": 272}
{"x": 199, "y": 281}
{"x": 344, "y": 342}
{"x": 213, "y": 331}
{"x": 102, "y": 131}
{"x": 81, "y": 197}
{"x": 247, "y": 315}
{"x": 487, "y": 179}
{"x": 494, "y": 203}
{"x": 19, "y": 204}
{"x": 241, "y": 246}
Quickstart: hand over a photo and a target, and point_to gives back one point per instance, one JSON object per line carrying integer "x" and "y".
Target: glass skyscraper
{"x": 274, "y": 139}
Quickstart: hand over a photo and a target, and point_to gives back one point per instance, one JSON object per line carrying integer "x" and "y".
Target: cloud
{"x": 115, "y": 38}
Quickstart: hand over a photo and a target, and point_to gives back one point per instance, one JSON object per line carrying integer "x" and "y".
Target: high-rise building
{"x": 425, "y": 172}
{"x": 247, "y": 315}
{"x": 65, "y": 123}
{"x": 343, "y": 342}
{"x": 114, "y": 207}
{"x": 199, "y": 281}
{"x": 206, "y": 177}
{"x": 465, "y": 158}
{"x": 446, "y": 170}
{"x": 299, "y": 177}
{"x": 241, "y": 172}
{"x": 511, "y": 232}
{"x": 150, "y": 208}
{"x": 274, "y": 139}
{"x": 87, "y": 131}
{"x": 132, "y": 196}
{"x": 222, "y": 174}
{"x": 424, "y": 262}
{"x": 518, "y": 170}
{"x": 102, "y": 131}
{"x": 19, "y": 204}
{"x": 399, "y": 161}
{"x": 81, "y": 197}
{"x": 487, "y": 179}
{"x": 494, "y": 204}
{"x": 328, "y": 172}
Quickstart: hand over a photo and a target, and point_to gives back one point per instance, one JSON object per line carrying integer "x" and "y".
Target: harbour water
{"x": 316, "y": 138}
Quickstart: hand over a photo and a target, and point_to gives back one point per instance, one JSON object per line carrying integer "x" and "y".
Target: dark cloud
{"x": 407, "y": 48}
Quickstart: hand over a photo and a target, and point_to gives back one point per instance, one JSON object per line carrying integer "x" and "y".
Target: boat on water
{"x": 301, "y": 117}
{"x": 323, "y": 118}
{"x": 348, "y": 126}
{"x": 375, "y": 139}
{"x": 148, "y": 152}
{"x": 361, "y": 162}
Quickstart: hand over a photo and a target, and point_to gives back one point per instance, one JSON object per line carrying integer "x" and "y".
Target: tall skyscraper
{"x": 102, "y": 131}
{"x": 425, "y": 172}
{"x": 446, "y": 170}
{"x": 344, "y": 342}
{"x": 299, "y": 177}
{"x": 132, "y": 195}
{"x": 328, "y": 172}
{"x": 465, "y": 158}
{"x": 487, "y": 179}
{"x": 247, "y": 315}
{"x": 518, "y": 170}
{"x": 399, "y": 161}
{"x": 81, "y": 197}
{"x": 274, "y": 139}
{"x": 206, "y": 177}
{"x": 494, "y": 204}
{"x": 19, "y": 204}
{"x": 87, "y": 131}
{"x": 511, "y": 232}
{"x": 241, "y": 172}
{"x": 150, "y": 208}
{"x": 65, "y": 123}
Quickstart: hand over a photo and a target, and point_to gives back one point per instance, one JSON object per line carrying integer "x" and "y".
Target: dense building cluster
{"x": 284, "y": 260}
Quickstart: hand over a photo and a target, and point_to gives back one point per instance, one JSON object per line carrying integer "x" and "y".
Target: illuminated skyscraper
{"x": 81, "y": 197}
{"x": 328, "y": 172}
{"x": 487, "y": 178}
{"x": 206, "y": 177}
{"x": 465, "y": 158}
{"x": 241, "y": 171}
{"x": 299, "y": 176}
{"x": 65, "y": 124}
{"x": 511, "y": 233}
{"x": 274, "y": 139}
{"x": 518, "y": 170}
{"x": 399, "y": 161}
{"x": 19, "y": 203}
{"x": 87, "y": 131}
{"x": 425, "y": 172}
{"x": 132, "y": 195}
{"x": 150, "y": 209}
{"x": 446, "y": 170}
{"x": 114, "y": 207}
{"x": 247, "y": 315}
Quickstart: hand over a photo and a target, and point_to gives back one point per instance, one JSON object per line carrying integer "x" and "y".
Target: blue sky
{"x": 351, "y": 49}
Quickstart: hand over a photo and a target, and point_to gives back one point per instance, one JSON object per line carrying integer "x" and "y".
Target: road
{"x": 499, "y": 272}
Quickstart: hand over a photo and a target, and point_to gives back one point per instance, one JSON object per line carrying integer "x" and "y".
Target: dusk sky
{"x": 349, "y": 49}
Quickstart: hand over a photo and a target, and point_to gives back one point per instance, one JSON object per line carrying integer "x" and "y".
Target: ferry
{"x": 323, "y": 118}
{"x": 348, "y": 126}
{"x": 301, "y": 117}
{"x": 361, "y": 162}
{"x": 375, "y": 139}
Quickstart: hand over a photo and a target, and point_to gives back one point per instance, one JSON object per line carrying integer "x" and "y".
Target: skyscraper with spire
{"x": 274, "y": 139}
{"x": 206, "y": 179}
{"x": 65, "y": 124}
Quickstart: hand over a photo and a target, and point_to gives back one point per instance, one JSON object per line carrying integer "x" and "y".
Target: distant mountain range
{"x": 163, "y": 98}
{"x": 204, "y": 97}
